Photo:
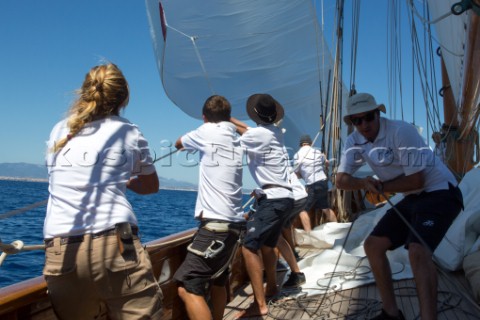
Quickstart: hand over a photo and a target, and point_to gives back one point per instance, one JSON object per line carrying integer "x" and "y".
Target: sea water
{"x": 161, "y": 214}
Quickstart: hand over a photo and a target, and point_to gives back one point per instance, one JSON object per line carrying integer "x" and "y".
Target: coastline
{"x": 46, "y": 180}
{"x": 246, "y": 191}
{"x": 24, "y": 179}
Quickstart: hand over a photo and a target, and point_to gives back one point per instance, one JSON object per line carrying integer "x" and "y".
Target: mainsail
{"x": 239, "y": 47}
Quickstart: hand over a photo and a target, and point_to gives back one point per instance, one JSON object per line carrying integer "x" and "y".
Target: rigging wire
{"x": 426, "y": 21}
{"x": 354, "y": 43}
{"x": 320, "y": 66}
{"x": 394, "y": 58}
{"x": 421, "y": 69}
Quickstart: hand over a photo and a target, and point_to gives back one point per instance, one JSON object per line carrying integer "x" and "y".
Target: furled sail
{"x": 239, "y": 47}
{"x": 451, "y": 33}
{"x": 457, "y": 25}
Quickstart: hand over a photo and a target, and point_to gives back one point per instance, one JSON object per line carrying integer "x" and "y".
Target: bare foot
{"x": 252, "y": 311}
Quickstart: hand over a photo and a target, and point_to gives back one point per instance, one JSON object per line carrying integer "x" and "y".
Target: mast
{"x": 459, "y": 128}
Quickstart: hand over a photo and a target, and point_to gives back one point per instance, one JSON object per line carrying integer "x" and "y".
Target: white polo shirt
{"x": 88, "y": 177}
{"x": 267, "y": 159}
{"x": 309, "y": 162}
{"x": 397, "y": 150}
{"x": 220, "y": 173}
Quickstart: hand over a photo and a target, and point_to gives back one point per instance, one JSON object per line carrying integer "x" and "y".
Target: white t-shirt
{"x": 267, "y": 159}
{"x": 298, "y": 188}
{"x": 220, "y": 174}
{"x": 397, "y": 150}
{"x": 310, "y": 163}
{"x": 88, "y": 176}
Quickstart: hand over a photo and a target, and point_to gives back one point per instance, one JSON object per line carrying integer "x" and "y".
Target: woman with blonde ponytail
{"x": 93, "y": 255}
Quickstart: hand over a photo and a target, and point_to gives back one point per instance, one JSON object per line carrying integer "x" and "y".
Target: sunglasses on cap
{"x": 368, "y": 117}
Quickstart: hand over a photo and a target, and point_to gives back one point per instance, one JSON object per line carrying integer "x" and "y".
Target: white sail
{"x": 239, "y": 47}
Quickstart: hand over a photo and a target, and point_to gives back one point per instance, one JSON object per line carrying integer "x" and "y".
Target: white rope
{"x": 164, "y": 156}
{"x": 16, "y": 247}
{"x": 248, "y": 202}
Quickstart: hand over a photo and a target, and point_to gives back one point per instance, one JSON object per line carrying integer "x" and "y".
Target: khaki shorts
{"x": 86, "y": 277}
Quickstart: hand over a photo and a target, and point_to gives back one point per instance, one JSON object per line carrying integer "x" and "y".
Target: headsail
{"x": 239, "y": 47}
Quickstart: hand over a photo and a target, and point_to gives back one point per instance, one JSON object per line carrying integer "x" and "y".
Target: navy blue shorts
{"x": 317, "y": 195}
{"x": 429, "y": 213}
{"x": 265, "y": 225}
{"x": 196, "y": 272}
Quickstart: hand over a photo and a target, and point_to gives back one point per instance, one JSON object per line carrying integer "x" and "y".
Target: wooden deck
{"x": 361, "y": 302}
{"x": 28, "y": 300}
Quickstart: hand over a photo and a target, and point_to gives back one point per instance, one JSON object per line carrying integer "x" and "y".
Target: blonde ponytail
{"x": 103, "y": 93}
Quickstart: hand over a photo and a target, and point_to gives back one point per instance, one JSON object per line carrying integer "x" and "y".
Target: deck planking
{"x": 363, "y": 302}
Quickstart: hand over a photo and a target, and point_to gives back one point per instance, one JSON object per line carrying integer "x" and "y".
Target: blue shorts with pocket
{"x": 317, "y": 195}
{"x": 265, "y": 225}
{"x": 429, "y": 213}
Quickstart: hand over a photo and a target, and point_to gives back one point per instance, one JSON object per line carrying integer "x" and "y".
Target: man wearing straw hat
{"x": 268, "y": 164}
{"x": 404, "y": 164}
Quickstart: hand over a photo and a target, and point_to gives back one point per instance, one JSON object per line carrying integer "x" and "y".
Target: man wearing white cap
{"x": 404, "y": 164}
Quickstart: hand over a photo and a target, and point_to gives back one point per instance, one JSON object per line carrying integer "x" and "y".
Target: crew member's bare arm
{"x": 144, "y": 184}
{"x": 241, "y": 126}
{"x": 402, "y": 183}
{"x": 178, "y": 144}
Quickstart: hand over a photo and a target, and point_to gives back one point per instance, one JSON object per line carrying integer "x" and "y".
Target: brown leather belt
{"x": 269, "y": 186}
{"x": 76, "y": 239}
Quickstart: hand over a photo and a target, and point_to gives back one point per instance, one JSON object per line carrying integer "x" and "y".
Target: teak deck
{"x": 361, "y": 302}
{"x": 29, "y": 300}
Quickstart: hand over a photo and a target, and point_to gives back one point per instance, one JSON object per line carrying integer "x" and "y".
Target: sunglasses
{"x": 368, "y": 117}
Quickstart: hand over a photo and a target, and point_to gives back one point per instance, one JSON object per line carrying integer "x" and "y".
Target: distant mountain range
{"x": 26, "y": 171}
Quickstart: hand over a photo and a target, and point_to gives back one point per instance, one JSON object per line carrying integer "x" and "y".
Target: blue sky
{"x": 48, "y": 46}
